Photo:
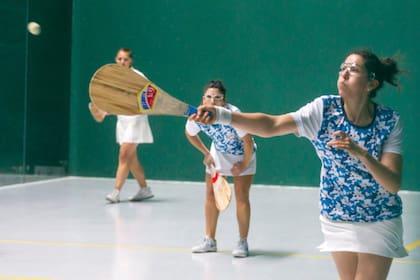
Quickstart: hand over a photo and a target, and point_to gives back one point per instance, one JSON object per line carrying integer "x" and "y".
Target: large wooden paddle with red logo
{"x": 118, "y": 90}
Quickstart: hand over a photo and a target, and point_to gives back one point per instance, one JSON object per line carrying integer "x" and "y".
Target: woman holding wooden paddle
{"x": 232, "y": 153}
{"x": 359, "y": 143}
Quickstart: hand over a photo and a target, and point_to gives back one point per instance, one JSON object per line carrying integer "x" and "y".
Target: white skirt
{"x": 133, "y": 129}
{"x": 382, "y": 238}
{"x": 224, "y": 162}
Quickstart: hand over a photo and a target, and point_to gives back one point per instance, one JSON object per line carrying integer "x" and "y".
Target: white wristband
{"x": 223, "y": 115}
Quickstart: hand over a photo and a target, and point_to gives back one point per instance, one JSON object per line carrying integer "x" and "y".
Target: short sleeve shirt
{"x": 348, "y": 192}
{"x": 225, "y": 138}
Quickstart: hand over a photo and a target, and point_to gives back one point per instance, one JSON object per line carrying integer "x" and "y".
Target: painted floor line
{"x": 7, "y": 277}
{"x": 409, "y": 247}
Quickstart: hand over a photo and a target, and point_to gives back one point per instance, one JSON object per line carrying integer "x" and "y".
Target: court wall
{"x": 274, "y": 56}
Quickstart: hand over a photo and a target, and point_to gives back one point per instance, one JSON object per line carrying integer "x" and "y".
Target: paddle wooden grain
{"x": 115, "y": 89}
{"x": 222, "y": 191}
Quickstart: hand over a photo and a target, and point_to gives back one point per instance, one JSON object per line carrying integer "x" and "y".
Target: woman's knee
{"x": 127, "y": 151}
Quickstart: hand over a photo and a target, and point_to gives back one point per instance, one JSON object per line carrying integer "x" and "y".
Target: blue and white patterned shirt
{"x": 225, "y": 138}
{"x": 348, "y": 192}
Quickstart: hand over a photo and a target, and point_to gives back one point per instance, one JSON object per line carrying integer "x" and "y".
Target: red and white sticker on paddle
{"x": 146, "y": 98}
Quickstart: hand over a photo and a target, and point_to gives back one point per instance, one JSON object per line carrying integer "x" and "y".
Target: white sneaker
{"x": 208, "y": 245}
{"x": 241, "y": 250}
{"x": 142, "y": 194}
{"x": 114, "y": 196}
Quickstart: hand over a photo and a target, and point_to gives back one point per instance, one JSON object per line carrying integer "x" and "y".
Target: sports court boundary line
{"x": 175, "y": 249}
{"x": 8, "y": 277}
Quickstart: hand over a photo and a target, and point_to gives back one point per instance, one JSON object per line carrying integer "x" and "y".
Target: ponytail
{"x": 380, "y": 69}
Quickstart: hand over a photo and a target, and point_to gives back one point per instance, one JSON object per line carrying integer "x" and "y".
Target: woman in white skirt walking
{"x": 130, "y": 131}
{"x": 359, "y": 143}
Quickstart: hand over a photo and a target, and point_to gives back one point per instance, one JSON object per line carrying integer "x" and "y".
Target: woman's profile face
{"x": 353, "y": 77}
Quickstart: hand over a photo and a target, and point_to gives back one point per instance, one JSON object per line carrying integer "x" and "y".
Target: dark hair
{"x": 216, "y": 84}
{"x": 380, "y": 69}
{"x": 126, "y": 50}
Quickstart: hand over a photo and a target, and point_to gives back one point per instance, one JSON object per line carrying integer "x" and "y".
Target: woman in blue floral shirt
{"x": 359, "y": 143}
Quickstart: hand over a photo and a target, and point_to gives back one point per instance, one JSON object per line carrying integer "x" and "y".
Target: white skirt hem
{"x": 382, "y": 238}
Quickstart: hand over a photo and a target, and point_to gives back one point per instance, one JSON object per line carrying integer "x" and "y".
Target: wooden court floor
{"x": 63, "y": 229}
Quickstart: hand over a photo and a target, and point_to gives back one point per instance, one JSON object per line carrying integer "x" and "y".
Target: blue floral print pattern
{"x": 348, "y": 192}
{"x": 225, "y": 138}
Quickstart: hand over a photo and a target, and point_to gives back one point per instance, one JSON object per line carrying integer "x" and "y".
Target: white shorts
{"x": 382, "y": 238}
{"x": 224, "y": 162}
{"x": 133, "y": 129}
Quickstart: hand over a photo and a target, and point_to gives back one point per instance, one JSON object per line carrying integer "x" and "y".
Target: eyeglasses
{"x": 354, "y": 69}
{"x": 214, "y": 97}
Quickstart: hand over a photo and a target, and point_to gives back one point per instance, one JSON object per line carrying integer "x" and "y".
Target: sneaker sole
{"x": 201, "y": 252}
{"x": 143, "y": 198}
{"x": 240, "y": 256}
{"x": 112, "y": 201}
